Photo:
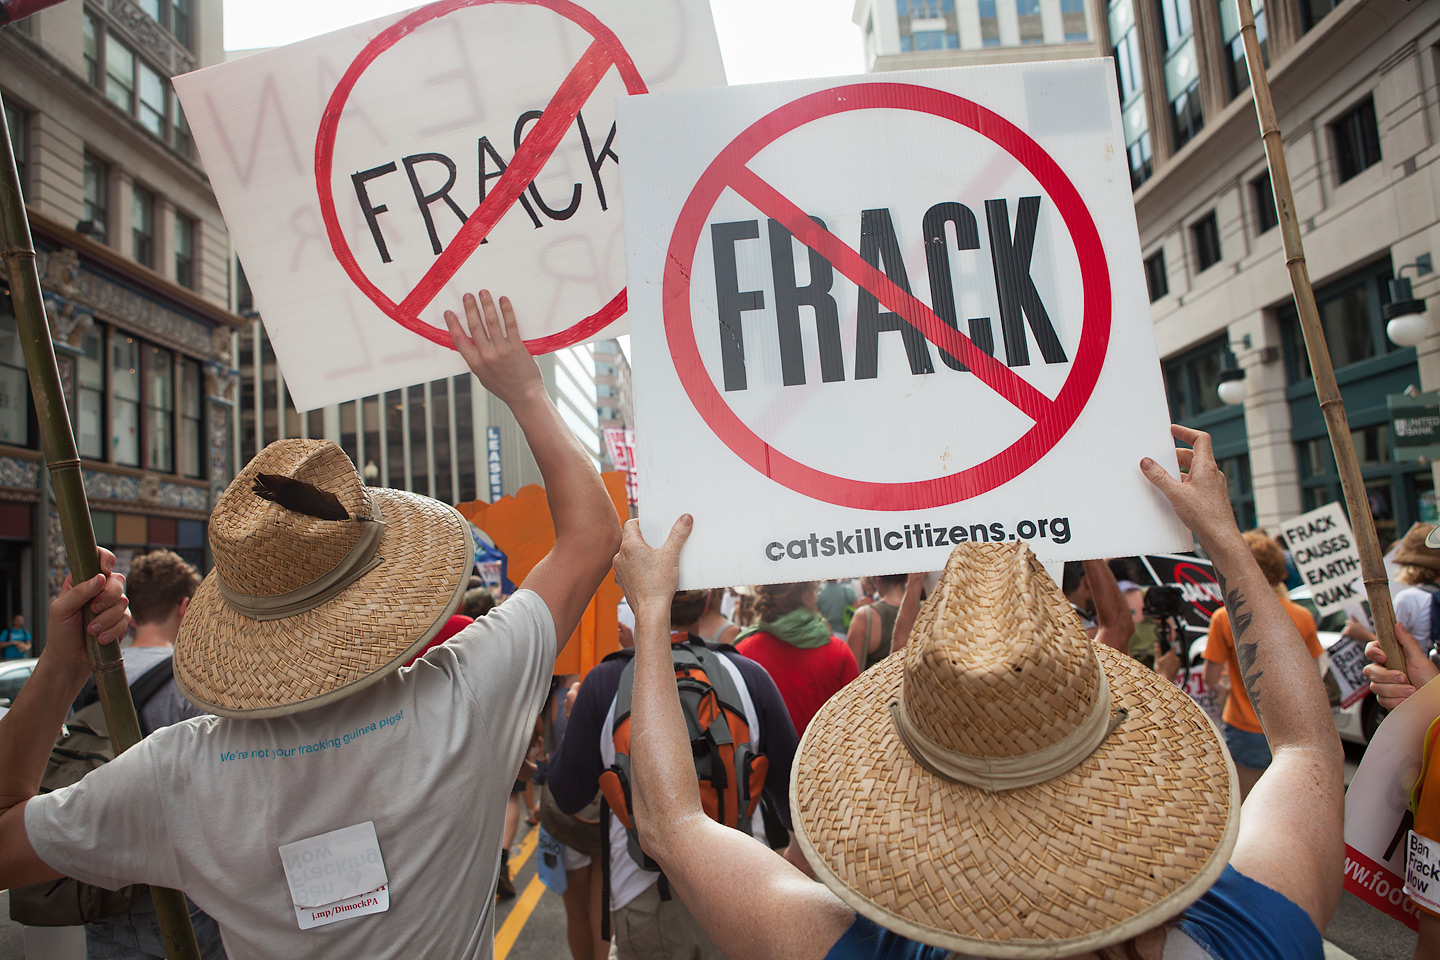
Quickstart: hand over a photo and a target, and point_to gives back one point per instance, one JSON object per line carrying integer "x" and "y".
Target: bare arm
{"x": 587, "y": 532}
{"x": 1291, "y": 831}
{"x": 750, "y": 900}
{"x": 1111, "y": 610}
{"x": 909, "y": 609}
{"x": 858, "y": 636}
{"x": 28, "y": 731}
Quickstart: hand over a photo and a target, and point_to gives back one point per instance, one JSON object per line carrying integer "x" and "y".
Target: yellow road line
{"x": 509, "y": 932}
{"x": 527, "y": 847}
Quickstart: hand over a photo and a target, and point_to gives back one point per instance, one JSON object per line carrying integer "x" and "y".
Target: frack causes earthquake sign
{"x": 875, "y": 318}
{"x": 371, "y": 176}
{"x": 1325, "y": 554}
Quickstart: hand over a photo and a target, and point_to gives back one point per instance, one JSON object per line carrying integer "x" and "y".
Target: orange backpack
{"x": 731, "y": 774}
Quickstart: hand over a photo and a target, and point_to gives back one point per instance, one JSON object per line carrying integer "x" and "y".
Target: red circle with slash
{"x": 1053, "y": 418}
{"x": 605, "y": 51}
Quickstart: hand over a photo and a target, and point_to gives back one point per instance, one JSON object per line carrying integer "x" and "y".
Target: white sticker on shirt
{"x": 336, "y": 875}
{"x": 1422, "y": 871}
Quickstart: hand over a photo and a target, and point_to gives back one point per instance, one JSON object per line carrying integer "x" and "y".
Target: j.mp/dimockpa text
{"x": 914, "y": 536}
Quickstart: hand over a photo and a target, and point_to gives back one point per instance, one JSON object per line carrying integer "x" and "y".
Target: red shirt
{"x": 806, "y": 678}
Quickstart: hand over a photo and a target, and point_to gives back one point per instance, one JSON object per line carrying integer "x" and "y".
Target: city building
{"x": 441, "y": 438}
{"x": 614, "y": 401}
{"x": 1355, "y": 83}
{"x": 920, "y": 34}
{"x": 133, "y": 258}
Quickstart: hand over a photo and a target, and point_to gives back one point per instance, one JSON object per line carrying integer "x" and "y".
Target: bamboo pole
{"x": 63, "y": 462}
{"x": 1372, "y": 563}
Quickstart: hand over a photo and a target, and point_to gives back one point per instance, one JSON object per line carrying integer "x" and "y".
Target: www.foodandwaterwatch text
{"x": 920, "y": 535}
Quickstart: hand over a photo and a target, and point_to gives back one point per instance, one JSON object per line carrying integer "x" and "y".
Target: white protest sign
{"x": 371, "y": 176}
{"x": 1324, "y": 551}
{"x": 875, "y": 316}
{"x": 1347, "y": 661}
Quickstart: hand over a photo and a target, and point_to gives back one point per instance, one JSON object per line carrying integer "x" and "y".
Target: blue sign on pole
{"x": 492, "y": 459}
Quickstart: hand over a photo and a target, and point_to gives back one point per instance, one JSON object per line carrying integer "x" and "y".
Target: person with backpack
{"x": 1418, "y": 568}
{"x": 339, "y": 803}
{"x": 742, "y": 744}
{"x": 160, "y": 586}
{"x": 15, "y": 640}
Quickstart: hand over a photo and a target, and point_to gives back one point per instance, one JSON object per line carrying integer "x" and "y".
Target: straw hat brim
{"x": 1119, "y": 844}
{"x": 233, "y": 666}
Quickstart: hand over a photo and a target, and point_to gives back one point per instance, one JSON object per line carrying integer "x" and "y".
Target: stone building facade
{"x": 134, "y": 264}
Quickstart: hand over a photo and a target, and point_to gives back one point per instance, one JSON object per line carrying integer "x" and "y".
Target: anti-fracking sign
{"x": 1324, "y": 551}
{"x": 889, "y": 316}
{"x": 372, "y": 176}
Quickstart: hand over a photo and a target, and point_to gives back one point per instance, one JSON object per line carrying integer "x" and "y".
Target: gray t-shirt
{"x": 167, "y": 706}
{"x": 429, "y": 754}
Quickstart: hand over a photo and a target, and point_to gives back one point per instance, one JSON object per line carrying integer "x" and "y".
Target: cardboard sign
{"x": 371, "y": 176}
{"x": 1377, "y": 804}
{"x": 620, "y": 444}
{"x": 889, "y": 315}
{"x": 1324, "y": 551}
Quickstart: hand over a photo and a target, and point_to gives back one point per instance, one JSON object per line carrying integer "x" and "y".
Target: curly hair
{"x": 774, "y": 600}
{"x": 1268, "y": 555}
{"x": 157, "y": 583}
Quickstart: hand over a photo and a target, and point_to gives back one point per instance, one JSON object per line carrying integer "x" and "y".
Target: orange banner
{"x": 521, "y": 527}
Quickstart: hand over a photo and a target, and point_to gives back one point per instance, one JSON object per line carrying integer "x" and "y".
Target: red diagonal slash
{"x": 991, "y": 372}
{"x": 604, "y": 52}
{"x": 536, "y": 149}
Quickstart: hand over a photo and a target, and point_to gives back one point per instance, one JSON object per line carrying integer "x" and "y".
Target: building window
{"x": 172, "y": 14}
{"x": 1313, "y": 11}
{"x": 1182, "y": 76}
{"x": 1350, "y": 314}
{"x": 1155, "y": 278}
{"x": 18, "y": 123}
{"x": 1192, "y": 381}
{"x": 989, "y": 24}
{"x": 159, "y": 410}
{"x": 1397, "y": 490}
{"x": 1357, "y": 140}
{"x": 90, "y": 395}
{"x": 184, "y": 250}
{"x": 96, "y": 190}
{"x": 191, "y": 440}
{"x": 120, "y": 75}
{"x": 180, "y": 131}
{"x": 1028, "y": 15}
{"x": 125, "y": 412}
{"x": 92, "y": 50}
{"x": 1206, "y": 236}
{"x": 1130, "y": 80}
{"x": 142, "y": 225}
{"x": 1072, "y": 21}
{"x": 1186, "y": 117}
{"x": 14, "y": 383}
{"x": 1266, "y": 216}
{"x": 152, "y": 101}
{"x": 1237, "y": 73}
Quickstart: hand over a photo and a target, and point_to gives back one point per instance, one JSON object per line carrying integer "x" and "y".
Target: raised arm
{"x": 1111, "y": 610}
{"x": 28, "y": 731}
{"x": 750, "y": 900}
{"x": 909, "y": 610}
{"x": 1292, "y": 827}
{"x": 587, "y": 532}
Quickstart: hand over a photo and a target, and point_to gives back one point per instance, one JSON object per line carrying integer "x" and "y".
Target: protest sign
{"x": 1347, "y": 660}
{"x": 1377, "y": 804}
{"x": 1324, "y": 552}
{"x": 620, "y": 444}
{"x": 803, "y": 258}
{"x": 371, "y": 176}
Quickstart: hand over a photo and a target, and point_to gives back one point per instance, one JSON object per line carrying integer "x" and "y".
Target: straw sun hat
{"x": 1006, "y": 787}
{"x": 320, "y": 597}
{"x": 1417, "y": 550}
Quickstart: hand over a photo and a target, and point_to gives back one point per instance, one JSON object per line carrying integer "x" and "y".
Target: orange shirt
{"x": 1220, "y": 648}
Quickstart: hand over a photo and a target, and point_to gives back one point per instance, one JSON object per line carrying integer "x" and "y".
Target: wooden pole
{"x": 65, "y": 478}
{"x": 1372, "y": 563}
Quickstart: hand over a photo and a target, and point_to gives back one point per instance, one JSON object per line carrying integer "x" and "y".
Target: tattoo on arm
{"x": 1246, "y": 653}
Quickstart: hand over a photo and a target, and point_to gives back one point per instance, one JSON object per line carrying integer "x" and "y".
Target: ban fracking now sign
{"x": 873, "y": 318}
{"x": 1323, "y": 548}
{"x": 372, "y": 176}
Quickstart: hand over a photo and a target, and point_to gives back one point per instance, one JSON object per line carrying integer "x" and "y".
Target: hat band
{"x": 1010, "y": 773}
{"x": 360, "y": 560}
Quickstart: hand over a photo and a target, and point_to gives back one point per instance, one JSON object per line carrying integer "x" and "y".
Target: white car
{"x": 13, "y": 674}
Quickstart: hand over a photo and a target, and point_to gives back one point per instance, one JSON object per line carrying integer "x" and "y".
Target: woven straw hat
{"x": 1417, "y": 550}
{"x": 301, "y": 611}
{"x": 1005, "y": 787}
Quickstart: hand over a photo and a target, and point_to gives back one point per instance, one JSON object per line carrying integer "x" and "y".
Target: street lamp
{"x": 1231, "y": 379}
{"x": 372, "y": 473}
{"x": 1407, "y": 326}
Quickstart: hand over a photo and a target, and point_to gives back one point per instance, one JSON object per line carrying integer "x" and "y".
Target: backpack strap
{"x": 142, "y": 690}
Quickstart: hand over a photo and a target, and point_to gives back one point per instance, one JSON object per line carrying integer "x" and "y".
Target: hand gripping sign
{"x": 887, "y": 316}
{"x": 372, "y": 176}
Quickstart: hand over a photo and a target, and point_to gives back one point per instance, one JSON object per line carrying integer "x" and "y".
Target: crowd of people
{"x": 981, "y": 762}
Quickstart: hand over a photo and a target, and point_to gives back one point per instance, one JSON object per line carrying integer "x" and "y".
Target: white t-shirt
{"x": 1412, "y": 609}
{"x": 429, "y": 754}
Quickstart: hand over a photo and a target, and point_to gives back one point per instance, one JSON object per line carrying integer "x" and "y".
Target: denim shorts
{"x": 1248, "y": 749}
